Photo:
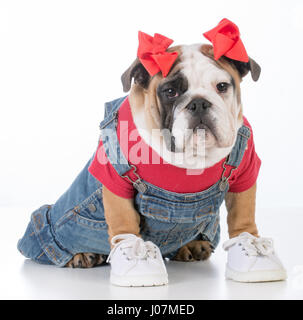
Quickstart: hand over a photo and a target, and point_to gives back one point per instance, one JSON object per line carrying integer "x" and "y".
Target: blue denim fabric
{"x": 76, "y": 222}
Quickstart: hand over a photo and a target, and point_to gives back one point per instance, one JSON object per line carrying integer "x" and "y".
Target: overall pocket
{"x": 175, "y": 211}
{"x": 172, "y": 224}
{"x": 84, "y": 229}
{"x": 170, "y": 236}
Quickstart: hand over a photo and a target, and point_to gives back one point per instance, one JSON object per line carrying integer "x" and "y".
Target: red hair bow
{"x": 226, "y": 41}
{"x": 153, "y": 55}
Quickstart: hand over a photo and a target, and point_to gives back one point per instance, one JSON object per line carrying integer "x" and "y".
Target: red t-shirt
{"x": 163, "y": 174}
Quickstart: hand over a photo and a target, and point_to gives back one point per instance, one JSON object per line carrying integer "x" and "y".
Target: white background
{"x": 61, "y": 60}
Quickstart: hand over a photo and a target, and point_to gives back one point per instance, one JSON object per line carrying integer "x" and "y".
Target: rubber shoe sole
{"x": 256, "y": 276}
{"x": 139, "y": 281}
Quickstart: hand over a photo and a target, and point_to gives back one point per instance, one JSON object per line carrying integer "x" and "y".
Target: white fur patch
{"x": 201, "y": 71}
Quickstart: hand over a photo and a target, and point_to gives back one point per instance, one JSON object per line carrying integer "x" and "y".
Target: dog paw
{"x": 86, "y": 260}
{"x": 195, "y": 250}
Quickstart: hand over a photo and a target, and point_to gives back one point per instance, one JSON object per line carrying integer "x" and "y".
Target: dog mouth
{"x": 195, "y": 134}
{"x": 191, "y": 139}
{"x": 208, "y": 128}
{"x": 201, "y": 126}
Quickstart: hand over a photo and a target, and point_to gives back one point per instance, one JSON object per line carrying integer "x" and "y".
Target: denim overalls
{"x": 76, "y": 223}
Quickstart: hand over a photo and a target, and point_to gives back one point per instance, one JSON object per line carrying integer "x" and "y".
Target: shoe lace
{"x": 138, "y": 248}
{"x": 253, "y": 246}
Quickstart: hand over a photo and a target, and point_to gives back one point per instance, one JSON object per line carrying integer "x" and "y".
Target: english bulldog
{"x": 199, "y": 92}
{"x": 173, "y": 97}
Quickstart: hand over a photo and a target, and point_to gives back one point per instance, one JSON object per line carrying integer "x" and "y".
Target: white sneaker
{"x": 135, "y": 262}
{"x": 252, "y": 259}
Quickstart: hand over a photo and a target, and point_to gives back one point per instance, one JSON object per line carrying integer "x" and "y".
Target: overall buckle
{"x": 139, "y": 185}
{"x": 224, "y": 180}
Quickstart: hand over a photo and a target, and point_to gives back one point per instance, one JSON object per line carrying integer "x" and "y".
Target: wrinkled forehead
{"x": 199, "y": 69}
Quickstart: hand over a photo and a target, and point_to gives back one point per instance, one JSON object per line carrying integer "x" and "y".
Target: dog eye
{"x": 171, "y": 93}
{"x": 222, "y": 87}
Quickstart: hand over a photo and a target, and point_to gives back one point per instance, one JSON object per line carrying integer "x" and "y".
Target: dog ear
{"x": 138, "y": 72}
{"x": 244, "y": 67}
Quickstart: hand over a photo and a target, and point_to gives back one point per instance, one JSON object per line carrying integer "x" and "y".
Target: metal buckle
{"x": 138, "y": 184}
{"x": 224, "y": 180}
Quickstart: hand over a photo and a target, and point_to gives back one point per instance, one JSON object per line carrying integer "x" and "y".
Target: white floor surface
{"x": 23, "y": 279}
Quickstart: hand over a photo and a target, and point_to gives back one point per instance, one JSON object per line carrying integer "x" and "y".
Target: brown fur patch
{"x": 195, "y": 250}
{"x": 241, "y": 212}
{"x": 147, "y": 98}
{"x": 86, "y": 260}
{"x": 208, "y": 51}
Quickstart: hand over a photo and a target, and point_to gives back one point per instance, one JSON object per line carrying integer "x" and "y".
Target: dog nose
{"x": 198, "y": 106}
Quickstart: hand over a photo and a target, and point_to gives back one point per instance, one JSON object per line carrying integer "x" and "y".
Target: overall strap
{"x": 108, "y": 135}
{"x": 112, "y": 106}
{"x": 237, "y": 152}
{"x": 236, "y": 155}
{"x": 111, "y": 144}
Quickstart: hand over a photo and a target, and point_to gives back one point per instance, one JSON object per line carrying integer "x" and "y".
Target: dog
{"x": 198, "y": 92}
{"x": 192, "y": 76}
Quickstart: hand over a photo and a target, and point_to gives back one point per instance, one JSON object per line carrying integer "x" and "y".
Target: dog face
{"x": 198, "y": 93}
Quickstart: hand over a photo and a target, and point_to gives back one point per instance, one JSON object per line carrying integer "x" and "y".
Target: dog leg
{"x": 195, "y": 250}
{"x": 120, "y": 214}
{"x": 86, "y": 260}
{"x": 241, "y": 212}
